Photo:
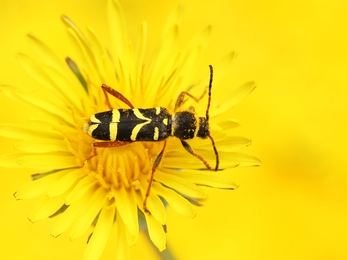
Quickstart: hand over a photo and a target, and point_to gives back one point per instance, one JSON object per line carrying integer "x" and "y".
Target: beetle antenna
{"x": 215, "y": 152}
{"x": 209, "y": 92}
{"x": 207, "y": 115}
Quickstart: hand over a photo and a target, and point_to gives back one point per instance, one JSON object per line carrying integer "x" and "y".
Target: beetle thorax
{"x": 185, "y": 125}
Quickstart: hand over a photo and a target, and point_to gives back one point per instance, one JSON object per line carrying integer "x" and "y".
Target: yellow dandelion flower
{"x": 101, "y": 188}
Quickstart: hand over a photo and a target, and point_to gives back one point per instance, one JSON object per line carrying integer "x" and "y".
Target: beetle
{"x": 119, "y": 127}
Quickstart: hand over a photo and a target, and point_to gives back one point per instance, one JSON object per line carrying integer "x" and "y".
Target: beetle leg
{"x": 108, "y": 90}
{"x": 105, "y": 145}
{"x": 110, "y": 144}
{"x": 190, "y": 150}
{"x": 180, "y": 99}
{"x": 154, "y": 168}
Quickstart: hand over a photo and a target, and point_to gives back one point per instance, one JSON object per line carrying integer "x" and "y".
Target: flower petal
{"x": 23, "y": 132}
{"x": 45, "y": 53}
{"x": 229, "y": 144}
{"x": 11, "y": 160}
{"x": 80, "y": 189}
{"x": 227, "y": 124}
{"x": 88, "y": 213}
{"x": 180, "y": 184}
{"x": 244, "y": 159}
{"x": 122, "y": 247}
{"x": 89, "y": 58}
{"x": 206, "y": 178}
{"x": 224, "y": 103}
{"x": 100, "y": 234}
{"x": 42, "y": 146}
{"x": 47, "y": 161}
{"x": 117, "y": 31}
{"x": 154, "y": 204}
{"x": 161, "y": 70}
{"x": 66, "y": 219}
{"x": 64, "y": 183}
{"x": 127, "y": 209}
{"x": 51, "y": 108}
{"x": 47, "y": 208}
{"x": 176, "y": 201}
{"x": 40, "y": 186}
{"x": 156, "y": 232}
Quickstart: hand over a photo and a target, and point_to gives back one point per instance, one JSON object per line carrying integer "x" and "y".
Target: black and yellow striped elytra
{"x": 118, "y": 127}
{"x": 145, "y": 124}
{"x": 130, "y": 125}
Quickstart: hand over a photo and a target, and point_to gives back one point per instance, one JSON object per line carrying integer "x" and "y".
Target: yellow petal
{"x": 40, "y": 186}
{"x": 154, "y": 205}
{"x": 66, "y": 219}
{"x": 46, "y": 208}
{"x": 66, "y": 88}
{"x": 140, "y": 53}
{"x": 180, "y": 184}
{"x": 206, "y": 178}
{"x": 226, "y": 124}
{"x": 122, "y": 248}
{"x": 156, "y": 232}
{"x": 52, "y": 109}
{"x": 42, "y": 146}
{"x": 127, "y": 209}
{"x": 229, "y": 144}
{"x": 243, "y": 159}
{"x": 88, "y": 213}
{"x": 34, "y": 69}
{"x": 231, "y": 98}
{"x": 118, "y": 35}
{"x": 23, "y": 132}
{"x": 222, "y": 68}
{"x": 160, "y": 67}
{"x": 100, "y": 234}
{"x": 45, "y": 53}
{"x": 80, "y": 189}
{"x": 173, "y": 159}
{"x": 64, "y": 183}
{"x": 175, "y": 200}
{"x": 11, "y": 160}
{"x": 174, "y": 18}
{"x": 47, "y": 162}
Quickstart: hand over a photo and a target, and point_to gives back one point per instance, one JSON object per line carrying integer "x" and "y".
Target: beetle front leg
{"x": 190, "y": 150}
{"x": 180, "y": 99}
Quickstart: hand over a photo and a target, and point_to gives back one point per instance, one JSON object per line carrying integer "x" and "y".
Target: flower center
{"x": 126, "y": 165}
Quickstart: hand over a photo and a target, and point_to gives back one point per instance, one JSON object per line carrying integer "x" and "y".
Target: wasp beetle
{"x": 118, "y": 127}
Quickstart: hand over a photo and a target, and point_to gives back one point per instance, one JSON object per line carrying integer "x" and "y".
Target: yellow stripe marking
{"x": 90, "y": 129}
{"x": 113, "y": 127}
{"x": 115, "y": 116}
{"x": 173, "y": 125}
{"x": 165, "y": 121}
{"x": 94, "y": 120}
{"x": 157, "y": 110}
{"x": 156, "y": 133}
{"x": 138, "y": 127}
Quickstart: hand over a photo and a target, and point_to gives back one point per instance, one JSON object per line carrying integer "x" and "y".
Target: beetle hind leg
{"x": 154, "y": 168}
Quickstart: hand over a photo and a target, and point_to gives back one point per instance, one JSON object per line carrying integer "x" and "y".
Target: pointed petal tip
{"x": 65, "y": 18}
{"x": 15, "y": 196}
{"x": 55, "y": 235}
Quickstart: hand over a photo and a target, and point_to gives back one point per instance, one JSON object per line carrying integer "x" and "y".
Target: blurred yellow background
{"x": 292, "y": 207}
